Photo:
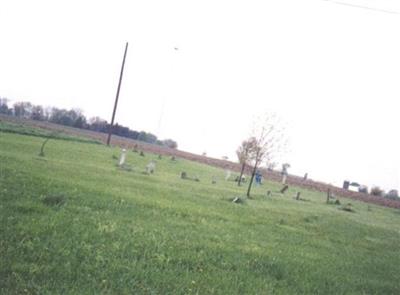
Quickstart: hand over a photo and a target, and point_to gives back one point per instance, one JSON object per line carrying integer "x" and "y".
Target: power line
{"x": 363, "y": 7}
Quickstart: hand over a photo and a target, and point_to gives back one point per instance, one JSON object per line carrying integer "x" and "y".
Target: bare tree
{"x": 244, "y": 153}
{"x": 269, "y": 142}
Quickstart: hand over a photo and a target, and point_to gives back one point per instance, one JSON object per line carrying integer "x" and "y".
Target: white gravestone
{"x": 284, "y": 172}
{"x": 151, "y": 167}
{"x": 227, "y": 174}
{"x": 122, "y": 158}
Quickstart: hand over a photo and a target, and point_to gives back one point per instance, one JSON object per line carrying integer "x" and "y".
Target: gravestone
{"x": 173, "y": 158}
{"x": 328, "y": 195}
{"x": 305, "y": 177}
{"x": 268, "y": 193}
{"x": 227, "y": 174}
{"x": 160, "y": 157}
{"x": 298, "y": 196}
{"x": 284, "y": 172}
{"x": 213, "y": 180}
{"x": 122, "y": 158}
{"x": 237, "y": 200}
{"x": 183, "y": 175}
{"x": 258, "y": 178}
{"x": 142, "y": 153}
{"x": 284, "y": 189}
{"x": 150, "y": 168}
{"x": 238, "y": 177}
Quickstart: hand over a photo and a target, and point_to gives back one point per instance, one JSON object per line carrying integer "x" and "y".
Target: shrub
{"x": 377, "y": 191}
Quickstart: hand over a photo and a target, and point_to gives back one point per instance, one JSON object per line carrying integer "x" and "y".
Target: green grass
{"x": 26, "y": 129}
{"x": 72, "y": 222}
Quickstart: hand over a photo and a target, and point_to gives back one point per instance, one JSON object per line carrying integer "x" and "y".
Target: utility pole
{"x": 116, "y": 98}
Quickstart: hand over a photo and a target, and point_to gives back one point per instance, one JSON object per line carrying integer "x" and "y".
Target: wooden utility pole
{"x": 116, "y": 98}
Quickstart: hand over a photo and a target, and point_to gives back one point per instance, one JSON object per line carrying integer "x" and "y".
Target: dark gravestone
{"x": 346, "y": 184}
{"x": 141, "y": 153}
{"x": 298, "y": 196}
{"x": 284, "y": 189}
{"x": 183, "y": 175}
{"x": 328, "y": 195}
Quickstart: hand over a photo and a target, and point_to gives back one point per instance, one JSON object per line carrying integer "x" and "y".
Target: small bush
{"x": 377, "y": 191}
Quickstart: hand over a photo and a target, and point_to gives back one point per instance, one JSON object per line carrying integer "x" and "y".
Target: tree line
{"x": 76, "y": 118}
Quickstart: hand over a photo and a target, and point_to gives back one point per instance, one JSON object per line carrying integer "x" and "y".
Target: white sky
{"x": 331, "y": 71}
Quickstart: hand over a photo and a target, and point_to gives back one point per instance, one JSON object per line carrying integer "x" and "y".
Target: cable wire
{"x": 363, "y": 7}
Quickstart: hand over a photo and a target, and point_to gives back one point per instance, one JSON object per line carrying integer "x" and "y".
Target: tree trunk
{"x": 241, "y": 174}
{"x": 251, "y": 179}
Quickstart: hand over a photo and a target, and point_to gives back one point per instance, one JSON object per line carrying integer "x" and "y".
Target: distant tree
{"x": 80, "y": 122}
{"x": 151, "y": 138}
{"x": 392, "y": 194}
{"x": 4, "y": 109}
{"x": 269, "y": 142}
{"x": 22, "y": 109}
{"x": 147, "y": 137}
{"x": 37, "y": 113}
{"x": 98, "y": 124}
{"x": 76, "y": 118}
{"x": 244, "y": 154}
{"x": 142, "y": 136}
{"x": 60, "y": 116}
{"x": 170, "y": 143}
{"x": 377, "y": 191}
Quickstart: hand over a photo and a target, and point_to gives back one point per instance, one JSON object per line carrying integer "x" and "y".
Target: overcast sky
{"x": 329, "y": 69}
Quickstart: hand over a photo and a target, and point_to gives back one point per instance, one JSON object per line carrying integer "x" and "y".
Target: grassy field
{"x": 72, "y": 222}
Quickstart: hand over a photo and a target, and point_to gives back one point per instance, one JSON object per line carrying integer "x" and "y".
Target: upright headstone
{"x": 122, "y": 158}
{"x": 305, "y": 177}
{"x": 213, "y": 180}
{"x": 284, "y": 189}
{"x": 227, "y": 174}
{"x": 258, "y": 177}
{"x": 298, "y": 196}
{"x": 328, "y": 195}
{"x": 284, "y": 172}
{"x": 150, "y": 168}
{"x": 183, "y": 175}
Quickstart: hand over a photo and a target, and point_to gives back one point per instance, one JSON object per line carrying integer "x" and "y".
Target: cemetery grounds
{"x": 73, "y": 222}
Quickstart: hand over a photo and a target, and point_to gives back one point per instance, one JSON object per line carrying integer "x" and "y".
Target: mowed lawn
{"x": 72, "y": 222}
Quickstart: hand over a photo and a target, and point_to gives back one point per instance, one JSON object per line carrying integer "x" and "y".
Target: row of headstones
{"x": 150, "y": 167}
